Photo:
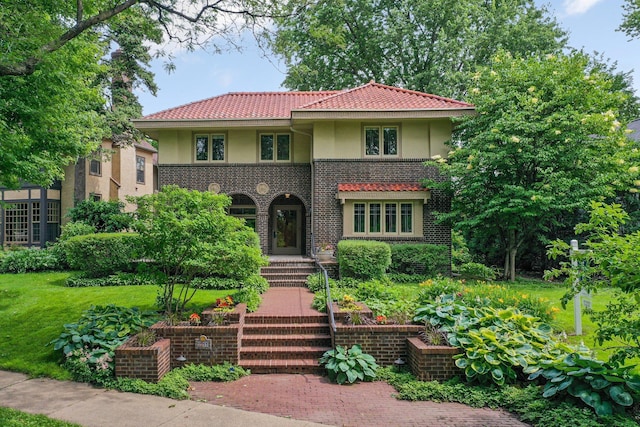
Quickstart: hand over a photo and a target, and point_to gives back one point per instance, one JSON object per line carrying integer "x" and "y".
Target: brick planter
{"x": 146, "y": 363}
{"x": 342, "y": 316}
{"x": 431, "y": 362}
{"x": 230, "y": 317}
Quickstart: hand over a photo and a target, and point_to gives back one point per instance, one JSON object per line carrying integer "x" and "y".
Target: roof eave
{"x": 157, "y": 124}
{"x": 376, "y": 114}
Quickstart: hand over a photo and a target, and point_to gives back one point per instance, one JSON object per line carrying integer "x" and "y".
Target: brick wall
{"x": 385, "y": 343}
{"x": 146, "y": 363}
{"x": 430, "y": 363}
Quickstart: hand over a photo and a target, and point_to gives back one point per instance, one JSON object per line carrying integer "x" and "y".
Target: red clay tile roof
{"x": 381, "y": 186}
{"x": 278, "y": 105}
{"x": 376, "y": 96}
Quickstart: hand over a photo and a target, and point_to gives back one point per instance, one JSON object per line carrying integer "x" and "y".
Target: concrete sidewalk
{"x": 95, "y": 407}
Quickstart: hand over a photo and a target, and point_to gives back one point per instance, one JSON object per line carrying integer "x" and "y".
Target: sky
{"x": 591, "y": 25}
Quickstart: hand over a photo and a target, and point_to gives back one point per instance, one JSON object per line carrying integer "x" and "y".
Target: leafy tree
{"x": 631, "y": 24}
{"x": 544, "y": 143}
{"x": 421, "y": 45}
{"x": 185, "y": 234}
{"x": 611, "y": 260}
{"x": 104, "y": 216}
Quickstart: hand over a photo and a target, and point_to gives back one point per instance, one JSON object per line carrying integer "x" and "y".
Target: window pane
{"x": 16, "y": 223}
{"x": 358, "y": 218}
{"x": 390, "y": 141}
{"x": 283, "y": 147}
{"x": 217, "y": 147}
{"x": 372, "y": 141}
{"x": 406, "y": 218}
{"x": 375, "y": 213}
{"x": 140, "y": 169}
{"x": 95, "y": 167}
{"x": 202, "y": 147}
{"x": 266, "y": 147}
{"x": 35, "y": 222}
{"x": 390, "y": 217}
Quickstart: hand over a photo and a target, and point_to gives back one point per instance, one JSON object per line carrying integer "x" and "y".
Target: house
{"x": 312, "y": 168}
{"x": 117, "y": 172}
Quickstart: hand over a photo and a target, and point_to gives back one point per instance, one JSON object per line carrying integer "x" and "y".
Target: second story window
{"x": 210, "y": 148}
{"x": 275, "y": 147}
{"x": 381, "y": 140}
{"x": 95, "y": 167}
{"x": 140, "y": 165}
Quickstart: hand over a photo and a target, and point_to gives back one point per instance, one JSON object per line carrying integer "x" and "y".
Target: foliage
{"x": 600, "y": 385}
{"x": 610, "y": 259}
{"x": 424, "y": 45}
{"x": 249, "y": 296}
{"x": 349, "y": 365}
{"x": 459, "y": 250}
{"x": 89, "y": 344}
{"x": 406, "y": 278}
{"x": 118, "y": 279}
{"x": 105, "y": 216}
{"x": 102, "y": 254}
{"x": 224, "y": 372}
{"x": 475, "y": 270}
{"x": 427, "y": 259}
{"x": 363, "y": 259}
{"x": 189, "y": 234}
{"x": 526, "y": 402}
{"x": 631, "y": 23}
{"x": 529, "y": 157}
{"x": 27, "y": 260}
{"x": 13, "y": 418}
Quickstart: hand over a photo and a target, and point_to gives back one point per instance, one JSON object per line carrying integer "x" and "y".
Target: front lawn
{"x": 34, "y": 307}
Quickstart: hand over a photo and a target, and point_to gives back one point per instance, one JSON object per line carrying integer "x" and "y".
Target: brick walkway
{"x": 314, "y": 398}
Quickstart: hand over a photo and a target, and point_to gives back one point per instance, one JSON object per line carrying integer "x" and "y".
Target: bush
{"x": 420, "y": 258}
{"x": 249, "y": 296}
{"x": 363, "y": 259}
{"x": 475, "y": 270}
{"x": 118, "y": 279}
{"x": 350, "y": 365}
{"x": 105, "y": 216}
{"x": 101, "y": 254}
{"x": 407, "y": 278}
{"x": 27, "y": 260}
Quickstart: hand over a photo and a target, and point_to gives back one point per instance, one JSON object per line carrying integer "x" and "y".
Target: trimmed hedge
{"x": 420, "y": 258}
{"x": 102, "y": 254}
{"x": 363, "y": 259}
{"x": 118, "y": 279}
{"x": 26, "y": 260}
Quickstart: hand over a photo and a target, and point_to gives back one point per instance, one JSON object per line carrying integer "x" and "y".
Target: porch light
{"x": 287, "y": 195}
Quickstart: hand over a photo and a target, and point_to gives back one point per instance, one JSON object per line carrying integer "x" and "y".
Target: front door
{"x": 287, "y": 226}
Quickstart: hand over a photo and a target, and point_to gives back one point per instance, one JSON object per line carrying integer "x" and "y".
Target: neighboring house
{"x": 119, "y": 172}
{"x": 305, "y": 167}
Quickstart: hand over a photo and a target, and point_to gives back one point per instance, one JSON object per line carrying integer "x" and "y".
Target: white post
{"x": 577, "y": 309}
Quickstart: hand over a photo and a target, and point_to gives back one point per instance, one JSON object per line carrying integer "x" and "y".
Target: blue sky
{"x": 199, "y": 75}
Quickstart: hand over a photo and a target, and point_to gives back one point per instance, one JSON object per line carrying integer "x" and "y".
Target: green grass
{"x": 12, "y": 418}
{"x": 34, "y": 307}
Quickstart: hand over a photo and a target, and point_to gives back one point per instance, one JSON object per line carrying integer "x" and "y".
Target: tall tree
{"x": 544, "y": 143}
{"x": 631, "y": 23}
{"x": 417, "y": 44}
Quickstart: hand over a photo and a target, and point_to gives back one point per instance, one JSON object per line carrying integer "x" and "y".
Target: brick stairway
{"x": 285, "y": 335}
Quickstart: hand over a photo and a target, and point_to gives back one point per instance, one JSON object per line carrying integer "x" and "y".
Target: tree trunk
{"x": 510, "y": 256}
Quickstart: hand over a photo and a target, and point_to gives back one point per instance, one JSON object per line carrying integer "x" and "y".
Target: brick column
{"x": 262, "y": 226}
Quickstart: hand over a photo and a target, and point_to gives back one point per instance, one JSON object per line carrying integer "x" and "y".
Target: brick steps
{"x": 273, "y": 340}
{"x": 285, "y": 329}
{"x": 275, "y": 366}
{"x": 288, "y": 273}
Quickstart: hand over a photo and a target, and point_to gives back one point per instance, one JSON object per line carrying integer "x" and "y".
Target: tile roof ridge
{"x": 182, "y": 106}
{"x": 417, "y": 92}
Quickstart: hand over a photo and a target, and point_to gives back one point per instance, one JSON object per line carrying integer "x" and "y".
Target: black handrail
{"x": 325, "y": 278}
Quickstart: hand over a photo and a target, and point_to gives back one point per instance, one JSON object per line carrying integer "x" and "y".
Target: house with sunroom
{"x": 319, "y": 166}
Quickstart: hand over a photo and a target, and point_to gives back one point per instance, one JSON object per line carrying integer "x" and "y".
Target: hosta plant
{"x": 600, "y": 385}
{"x": 349, "y": 365}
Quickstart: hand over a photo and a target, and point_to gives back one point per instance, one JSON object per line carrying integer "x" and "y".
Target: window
{"x": 248, "y": 213}
{"x": 210, "y": 148}
{"x": 95, "y": 167}
{"x": 140, "y": 169}
{"x": 381, "y": 140}
{"x": 16, "y": 226}
{"x": 95, "y": 197}
{"x": 383, "y": 218}
{"x": 35, "y": 221}
{"x": 275, "y": 145}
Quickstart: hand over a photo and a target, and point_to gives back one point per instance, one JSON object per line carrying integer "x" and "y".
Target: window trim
{"x": 143, "y": 170}
{"x": 416, "y": 218}
{"x": 96, "y": 162}
{"x": 210, "y": 136}
{"x": 274, "y": 158}
{"x": 380, "y": 128}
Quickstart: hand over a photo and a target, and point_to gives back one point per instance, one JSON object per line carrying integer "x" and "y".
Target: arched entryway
{"x": 287, "y": 226}
{"x": 243, "y": 206}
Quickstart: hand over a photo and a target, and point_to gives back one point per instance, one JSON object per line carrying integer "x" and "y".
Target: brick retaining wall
{"x": 430, "y": 363}
{"x": 146, "y": 363}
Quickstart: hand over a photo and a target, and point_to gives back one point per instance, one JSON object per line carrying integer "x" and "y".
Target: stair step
{"x": 282, "y": 353}
{"x": 285, "y": 329}
{"x": 290, "y": 340}
{"x": 301, "y": 366}
{"x": 276, "y": 320}
{"x": 287, "y": 283}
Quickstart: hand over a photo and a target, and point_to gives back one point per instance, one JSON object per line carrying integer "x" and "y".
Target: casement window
{"x": 210, "y": 148}
{"x": 380, "y": 141}
{"x": 275, "y": 147}
{"x": 248, "y": 213}
{"x": 95, "y": 167}
{"x": 140, "y": 166}
{"x": 383, "y": 218}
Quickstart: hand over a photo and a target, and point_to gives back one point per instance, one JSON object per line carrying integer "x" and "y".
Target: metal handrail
{"x": 325, "y": 278}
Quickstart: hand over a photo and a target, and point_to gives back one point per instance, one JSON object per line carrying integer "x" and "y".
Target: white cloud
{"x": 578, "y": 7}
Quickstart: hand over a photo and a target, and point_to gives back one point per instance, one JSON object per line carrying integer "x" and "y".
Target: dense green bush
{"x": 475, "y": 270}
{"x": 118, "y": 279}
{"x": 249, "y": 296}
{"x": 420, "y": 258}
{"x": 28, "y": 260}
{"x": 102, "y": 254}
{"x": 363, "y": 259}
{"x": 105, "y": 216}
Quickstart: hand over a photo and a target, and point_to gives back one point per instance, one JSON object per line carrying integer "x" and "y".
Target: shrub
{"x": 22, "y": 261}
{"x": 101, "y": 254}
{"x": 105, "y": 216}
{"x": 249, "y": 296}
{"x": 475, "y": 270}
{"x": 225, "y": 372}
{"x": 407, "y": 278}
{"x": 420, "y": 258}
{"x": 118, "y": 279}
{"x": 363, "y": 259}
{"x": 349, "y": 365}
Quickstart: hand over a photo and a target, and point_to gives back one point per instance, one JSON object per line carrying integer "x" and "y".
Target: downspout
{"x": 313, "y": 184}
